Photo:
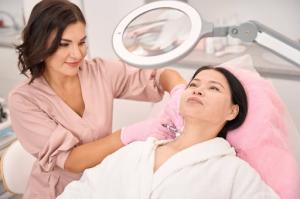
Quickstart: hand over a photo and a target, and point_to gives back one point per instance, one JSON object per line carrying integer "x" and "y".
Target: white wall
{"x": 289, "y": 91}
{"x": 29, "y": 4}
{"x": 14, "y": 7}
{"x": 9, "y": 73}
{"x": 102, "y": 18}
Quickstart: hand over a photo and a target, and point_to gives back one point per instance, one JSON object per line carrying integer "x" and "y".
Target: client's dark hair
{"x": 238, "y": 96}
{"x": 47, "y": 17}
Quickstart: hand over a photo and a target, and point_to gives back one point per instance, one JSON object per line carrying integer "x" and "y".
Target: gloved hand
{"x": 158, "y": 127}
{"x": 170, "y": 114}
{"x": 142, "y": 130}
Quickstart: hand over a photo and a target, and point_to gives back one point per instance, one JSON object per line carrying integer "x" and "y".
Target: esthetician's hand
{"x": 140, "y": 131}
{"x": 162, "y": 127}
{"x": 170, "y": 114}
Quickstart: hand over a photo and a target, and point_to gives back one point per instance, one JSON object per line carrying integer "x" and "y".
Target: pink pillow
{"x": 262, "y": 140}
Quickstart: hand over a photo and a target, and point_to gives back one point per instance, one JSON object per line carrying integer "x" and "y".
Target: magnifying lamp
{"x": 163, "y": 32}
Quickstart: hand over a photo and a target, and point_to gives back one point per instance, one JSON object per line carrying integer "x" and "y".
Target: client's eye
{"x": 214, "y": 88}
{"x": 192, "y": 85}
{"x": 82, "y": 43}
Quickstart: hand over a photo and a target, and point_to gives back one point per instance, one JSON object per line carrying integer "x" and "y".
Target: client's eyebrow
{"x": 215, "y": 82}
{"x": 195, "y": 79}
{"x": 210, "y": 81}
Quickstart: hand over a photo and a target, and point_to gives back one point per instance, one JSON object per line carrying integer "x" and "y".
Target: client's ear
{"x": 233, "y": 112}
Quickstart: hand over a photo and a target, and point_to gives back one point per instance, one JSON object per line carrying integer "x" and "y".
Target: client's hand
{"x": 142, "y": 130}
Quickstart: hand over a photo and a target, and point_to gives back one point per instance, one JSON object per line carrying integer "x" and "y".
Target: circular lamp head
{"x": 157, "y": 34}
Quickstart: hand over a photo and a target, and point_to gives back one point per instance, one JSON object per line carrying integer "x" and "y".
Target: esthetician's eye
{"x": 64, "y": 44}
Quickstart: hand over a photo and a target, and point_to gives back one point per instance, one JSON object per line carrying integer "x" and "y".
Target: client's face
{"x": 208, "y": 99}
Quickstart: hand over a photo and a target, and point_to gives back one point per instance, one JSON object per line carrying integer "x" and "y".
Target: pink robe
{"x": 48, "y": 128}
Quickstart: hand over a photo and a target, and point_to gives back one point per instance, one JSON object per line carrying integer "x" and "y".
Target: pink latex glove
{"x": 156, "y": 127}
{"x": 142, "y": 130}
{"x": 170, "y": 114}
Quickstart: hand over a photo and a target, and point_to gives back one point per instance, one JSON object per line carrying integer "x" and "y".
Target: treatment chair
{"x": 16, "y": 166}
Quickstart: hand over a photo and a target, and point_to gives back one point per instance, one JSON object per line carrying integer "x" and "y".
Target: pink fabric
{"x": 262, "y": 140}
{"x": 48, "y": 128}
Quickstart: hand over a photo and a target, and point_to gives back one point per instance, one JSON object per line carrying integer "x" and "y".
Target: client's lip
{"x": 194, "y": 99}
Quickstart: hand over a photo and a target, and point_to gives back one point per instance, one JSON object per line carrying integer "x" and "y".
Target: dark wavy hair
{"x": 47, "y": 17}
{"x": 238, "y": 96}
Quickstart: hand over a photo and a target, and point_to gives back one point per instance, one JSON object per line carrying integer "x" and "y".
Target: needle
{"x": 172, "y": 128}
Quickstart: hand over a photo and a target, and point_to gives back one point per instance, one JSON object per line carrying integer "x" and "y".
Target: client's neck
{"x": 194, "y": 133}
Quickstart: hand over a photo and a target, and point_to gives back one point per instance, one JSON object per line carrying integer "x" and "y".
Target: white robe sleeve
{"x": 107, "y": 180}
{"x": 248, "y": 184}
{"x": 91, "y": 180}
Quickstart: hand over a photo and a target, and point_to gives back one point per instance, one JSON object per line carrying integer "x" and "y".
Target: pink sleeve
{"x": 171, "y": 109}
{"x": 41, "y": 136}
{"x": 177, "y": 91}
{"x": 132, "y": 83}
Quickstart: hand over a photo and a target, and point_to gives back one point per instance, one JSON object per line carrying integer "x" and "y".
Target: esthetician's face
{"x": 71, "y": 51}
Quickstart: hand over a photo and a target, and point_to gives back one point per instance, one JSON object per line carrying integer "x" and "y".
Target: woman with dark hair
{"x": 62, "y": 114}
{"x": 238, "y": 97}
{"x": 199, "y": 163}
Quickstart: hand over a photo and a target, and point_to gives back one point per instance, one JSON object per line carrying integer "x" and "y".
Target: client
{"x": 199, "y": 163}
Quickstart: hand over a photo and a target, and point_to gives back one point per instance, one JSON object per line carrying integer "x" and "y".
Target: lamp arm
{"x": 208, "y": 30}
{"x": 253, "y": 31}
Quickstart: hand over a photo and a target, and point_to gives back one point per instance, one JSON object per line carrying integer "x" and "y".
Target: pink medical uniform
{"x": 48, "y": 128}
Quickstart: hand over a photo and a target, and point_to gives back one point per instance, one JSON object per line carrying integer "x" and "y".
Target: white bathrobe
{"x": 208, "y": 170}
